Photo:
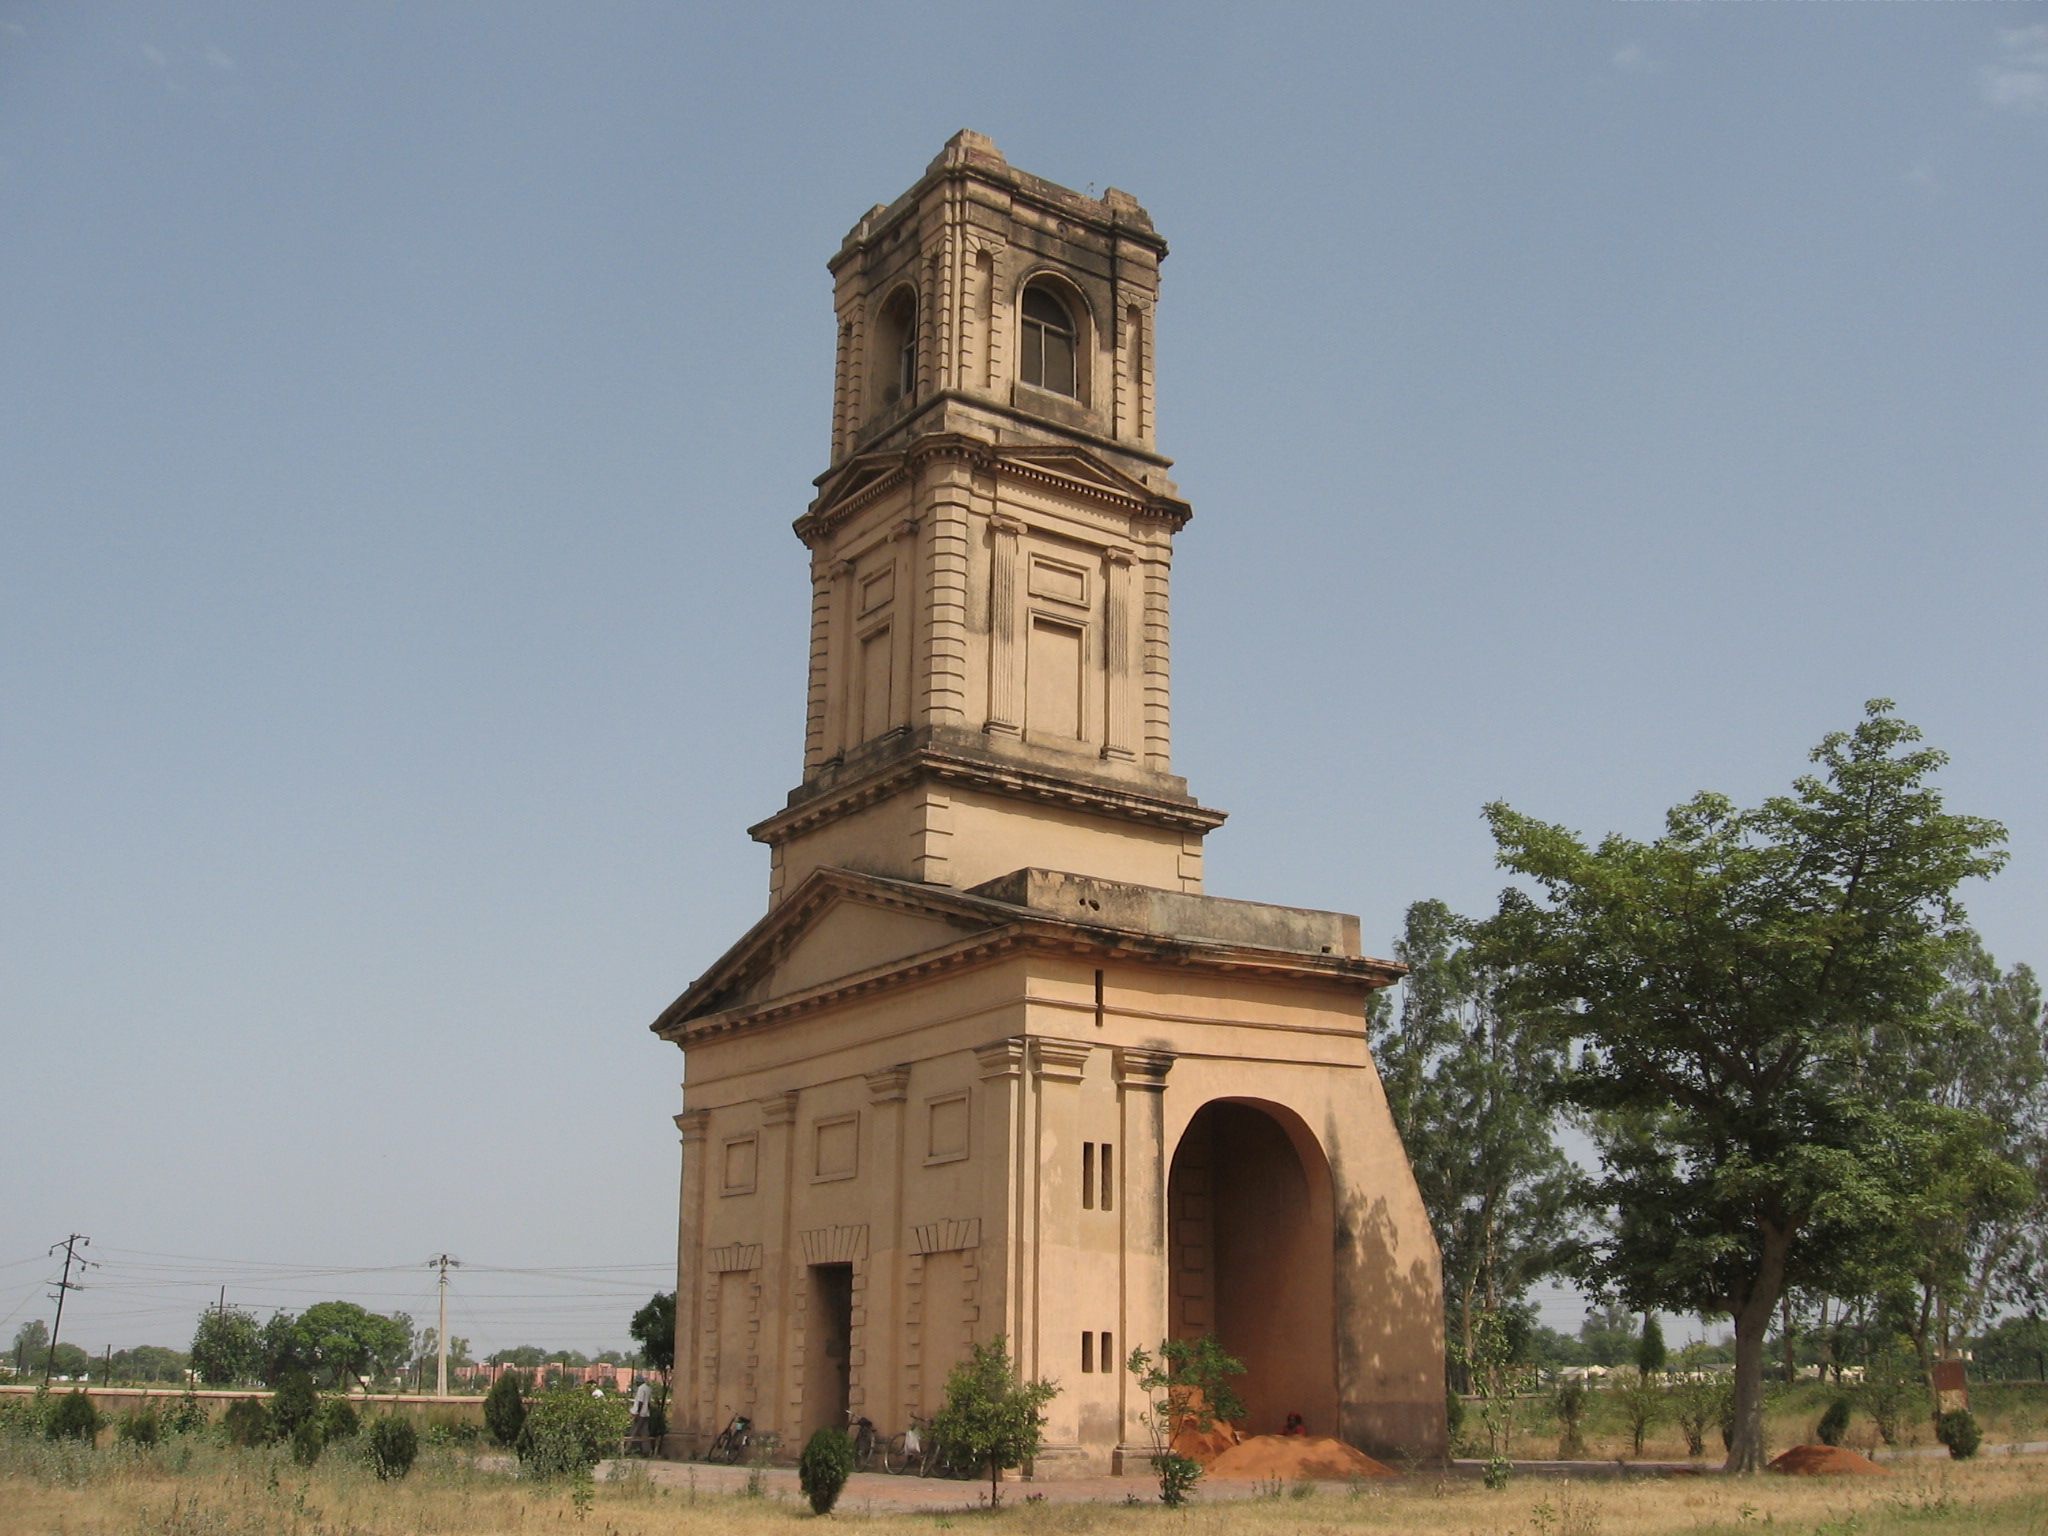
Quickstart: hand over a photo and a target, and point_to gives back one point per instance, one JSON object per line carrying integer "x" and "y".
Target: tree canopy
{"x": 654, "y": 1329}
{"x": 1745, "y": 994}
{"x": 1470, "y": 1086}
{"x": 334, "y": 1341}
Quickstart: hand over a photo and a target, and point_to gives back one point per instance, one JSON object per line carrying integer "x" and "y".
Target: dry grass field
{"x": 197, "y": 1489}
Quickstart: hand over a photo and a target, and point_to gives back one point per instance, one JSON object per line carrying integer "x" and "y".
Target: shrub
{"x": 24, "y": 1415}
{"x": 337, "y": 1420}
{"x": 568, "y": 1430}
{"x": 1454, "y": 1414}
{"x": 1178, "y": 1475}
{"x": 394, "y": 1446}
{"x": 139, "y": 1426}
{"x": 187, "y": 1416}
{"x": 292, "y": 1404}
{"x": 991, "y": 1419}
{"x": 246, "y": 1423}
{"x": 1834, "y": 1424}
{"x": 1642, "y": 1405}
{"x": 505, "y": 1408}
{"x": 1891, "y": 1393}
{"x": 306, "y": 1443}
{"x": 824, "y": 1467}
{"x": 1957, "y": 1429}
{"x": 1569, "y": 1403}
{"x": 72, "y": 1417}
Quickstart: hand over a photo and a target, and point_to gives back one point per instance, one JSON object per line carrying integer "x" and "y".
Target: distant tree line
{"x": 1818, "y": 1106}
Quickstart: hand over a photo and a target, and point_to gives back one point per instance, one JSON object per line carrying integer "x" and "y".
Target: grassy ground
{"x": 193, "y": 1488}
{"x": 2015, "y": 1412}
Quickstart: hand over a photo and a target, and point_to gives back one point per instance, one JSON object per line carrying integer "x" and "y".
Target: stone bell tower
{"x": 992, "y": 1064}
{"x": 991, "y": 547}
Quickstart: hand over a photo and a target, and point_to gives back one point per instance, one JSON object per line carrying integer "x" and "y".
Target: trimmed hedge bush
{"x": 1834, "y": 1424}
{"x": 1957, "y": 1429}
{"x": 394, "y": 1447}
{"x": 73, "y": 1417}
{"x": 505, "y": 1408}
{"x": 247, "y": 1422}
{"x": 337, "y": 1420}
{"x": 824, "y": 1467}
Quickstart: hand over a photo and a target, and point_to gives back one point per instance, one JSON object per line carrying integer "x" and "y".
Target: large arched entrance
{"x": 1252, "y": 1239}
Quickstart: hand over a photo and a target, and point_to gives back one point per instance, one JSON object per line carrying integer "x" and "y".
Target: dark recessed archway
{"x": 1252, "y": 1254}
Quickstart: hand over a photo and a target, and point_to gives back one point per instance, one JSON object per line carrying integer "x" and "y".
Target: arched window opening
{"x": 1051, "y": 344}
{"x": 896, "y": 346}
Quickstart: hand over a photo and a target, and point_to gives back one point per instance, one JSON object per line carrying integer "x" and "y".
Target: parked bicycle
{"x": 866, "y": 1443}
{"x": 732, "y": 1442}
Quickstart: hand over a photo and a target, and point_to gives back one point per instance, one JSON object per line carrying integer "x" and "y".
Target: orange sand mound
{"x": 1820, "y": 1460}
{"x": 1204, "y": 1445}
{"x": 1292, "y": 1456}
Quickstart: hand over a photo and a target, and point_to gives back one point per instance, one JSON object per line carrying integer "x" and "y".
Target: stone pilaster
{"x": 1141, "y": 1112}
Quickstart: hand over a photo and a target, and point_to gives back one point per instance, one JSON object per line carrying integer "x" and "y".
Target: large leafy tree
{"x": 31, "y": 1343}
{"x": 227, "y": 1347}
{"x": 335, "y": 1340}
{"x": 654, "y": 1329}
{"x": 1994, "y": 1060}
{"x": 1746, "y": 992}
{"x": 1470, "y": 1083}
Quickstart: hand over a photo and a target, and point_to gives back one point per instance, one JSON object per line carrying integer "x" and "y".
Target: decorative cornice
{"x": 1137, "y": 1067}
{"x": 1016, "y": 781}
{"x": 890, "y": 1085}
{"x": 874, "y": 475}
{"x": 1059, "y": 1061}
{"x": 694, "y": 1124}
{"x": 779, "y": 1108}
{"x": 1001, "y": 1058}
{"x": 696, "y": 1016}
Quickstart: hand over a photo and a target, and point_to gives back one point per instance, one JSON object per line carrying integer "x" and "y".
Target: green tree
{"x": 992, "y": 1419}
{"x": 1739, "y": 990}
{"x": 1188, "y": 1383}
{"x": 335, "y": 1342}
{"x": 1975, "y": 1236}
{"x": 227, "y": 1347}
{"x": 1469, "y": 1084}
{"x": 69, "y": 1360}
{"x": 505, "y": 1408}
{"x": 654, "y": 1329}
{"x": 295, "y": 1403}
{"x": 1650, "y": 1351}
{"x": 31, "y": 1343}
{"x": 149, "y": 1362}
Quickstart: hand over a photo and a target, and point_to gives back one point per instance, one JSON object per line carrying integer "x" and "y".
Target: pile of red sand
{"x": 1821, "y": 1460}
{"x": 1204, "y": 1445}
{"x": 1292, "y": 1456}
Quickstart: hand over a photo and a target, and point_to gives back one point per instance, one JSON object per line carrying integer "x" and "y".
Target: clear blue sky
{"x": 403, "y": 407}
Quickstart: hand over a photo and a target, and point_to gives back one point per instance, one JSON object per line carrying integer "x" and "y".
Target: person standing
{"x": 641, "y": 1434}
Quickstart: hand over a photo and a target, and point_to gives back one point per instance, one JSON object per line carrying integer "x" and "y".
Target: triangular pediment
{"x": 839, "y": 923}
{"x": 1080, "y": 467}
{"x": 854, "y": 478}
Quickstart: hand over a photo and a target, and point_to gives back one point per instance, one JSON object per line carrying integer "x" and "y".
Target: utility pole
{"x": 70, "y": 1245}
{"x": 444, "y": 1263}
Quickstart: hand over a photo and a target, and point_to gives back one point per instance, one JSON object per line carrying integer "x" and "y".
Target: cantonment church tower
{"x": 992, "y": 1063}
